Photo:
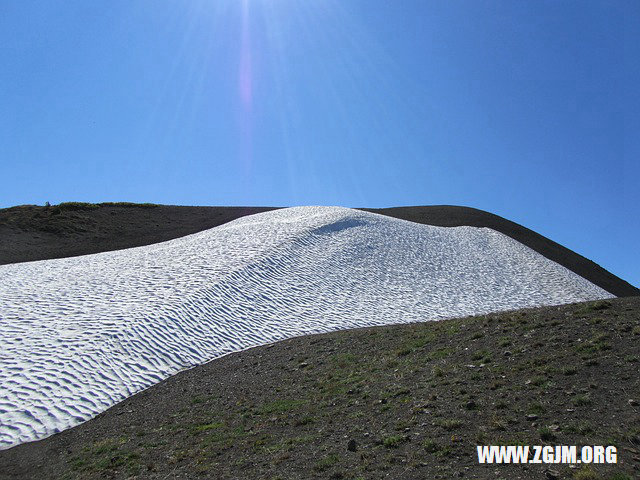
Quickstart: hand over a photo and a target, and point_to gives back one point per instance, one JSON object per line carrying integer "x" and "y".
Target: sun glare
{"x": 245, "y": 80}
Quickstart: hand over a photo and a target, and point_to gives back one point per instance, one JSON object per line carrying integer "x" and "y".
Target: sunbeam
{"x": 245, "y": 87}
{"x": 244, "y": 77}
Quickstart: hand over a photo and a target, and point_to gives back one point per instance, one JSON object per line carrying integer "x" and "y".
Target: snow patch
{"x": 81, "y": 334}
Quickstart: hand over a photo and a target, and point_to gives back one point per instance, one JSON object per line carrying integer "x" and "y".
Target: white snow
{"x": 78, "y": 335}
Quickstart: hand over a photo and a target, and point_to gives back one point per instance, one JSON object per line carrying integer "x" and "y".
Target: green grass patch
{"x": 106, "y": 455}
{"x": 344, "y": 360}
{"x": 593, "y": 307}
{"x": 441, "y": 353}
{"x": 481, "y": 355}
{"x": 394, "y": 441}
{"x": 598, "y": 343}
{"x": 546, "y": 434}
{"x": 536, "y": 408}
{"x": 77, "y": 206}
{"x": 205, "y": 427}
{"x": 431, "y": 446}
{"x": 538, "y": 380}
{"x": 586, "y": 473}
{"x": 581, "y": 400}
{"x": 326, "y": 463}
{"x": 581, "y": 428}
{"x": 279, "y": 406}
{"x": 450, "y": 423}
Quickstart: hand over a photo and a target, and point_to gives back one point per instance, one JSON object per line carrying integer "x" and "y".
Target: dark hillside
{"x": 31, "y": 232}
{"x": 36, "y": 233}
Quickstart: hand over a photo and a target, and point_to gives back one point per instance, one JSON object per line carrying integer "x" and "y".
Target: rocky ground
{"x": 400, "y": 402}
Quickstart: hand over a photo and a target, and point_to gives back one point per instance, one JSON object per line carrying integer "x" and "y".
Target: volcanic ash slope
{"x": 80, "y": 334}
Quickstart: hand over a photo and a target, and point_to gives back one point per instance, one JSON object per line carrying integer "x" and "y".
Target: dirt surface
{"x": 31, "y": 232}
{"x": 35, "y": 233}
{"x": 401, "y": 402}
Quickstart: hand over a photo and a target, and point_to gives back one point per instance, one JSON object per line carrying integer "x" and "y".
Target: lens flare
{"x": 245, "y": 85}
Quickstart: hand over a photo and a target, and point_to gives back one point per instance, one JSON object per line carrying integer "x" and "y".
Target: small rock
{"x": 507, "y": 353}
{"x": 552, "y": 474}
{"x": 531, "y": 417}
{"x": 304, "y": 365}
{"x": 471, "y": 405}
{"x": 352, "y": 446}
{"x": 633, "y": 403}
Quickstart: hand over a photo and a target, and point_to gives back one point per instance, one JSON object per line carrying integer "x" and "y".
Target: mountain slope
{"x": 414, "y": 399}
{"x": 82, "y": 333}
{"x": 30, "y": 232}
{"x": 453, "y": 216}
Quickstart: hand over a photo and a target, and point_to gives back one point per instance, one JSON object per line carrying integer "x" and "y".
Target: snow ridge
{"x": 78, "y": 335}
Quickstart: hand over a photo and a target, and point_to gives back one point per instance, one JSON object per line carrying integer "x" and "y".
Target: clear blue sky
{"x": 526, "y": 109}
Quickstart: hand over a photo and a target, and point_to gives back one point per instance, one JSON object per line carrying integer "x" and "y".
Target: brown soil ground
{"x": 30, "y": 232}
{"x": 401, "y": 402}
{"x": 35, "y": 233}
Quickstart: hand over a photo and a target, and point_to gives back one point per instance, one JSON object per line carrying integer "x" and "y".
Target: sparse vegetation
{"x": 536, "y": 408}
{"x": 586, "y": 473}
{"x": 326, "y": 463}
{"x": 450, "y": 423}
{"x": 546, "y": 434}
{"x": 279, "y": 406}
{"x": 393, "y": 441}
{"x": 77, "y": 206}
{"x": 591, "y": 307}
{"x": 581, "y": 400}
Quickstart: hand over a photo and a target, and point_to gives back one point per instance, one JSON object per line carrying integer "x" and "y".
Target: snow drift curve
{"x": 81, "y": 334}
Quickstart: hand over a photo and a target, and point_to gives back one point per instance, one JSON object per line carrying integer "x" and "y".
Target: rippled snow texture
{"x": 81, "y": 334}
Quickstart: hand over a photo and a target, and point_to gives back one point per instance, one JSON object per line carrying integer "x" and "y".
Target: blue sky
{"x": 529, "y": 110}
